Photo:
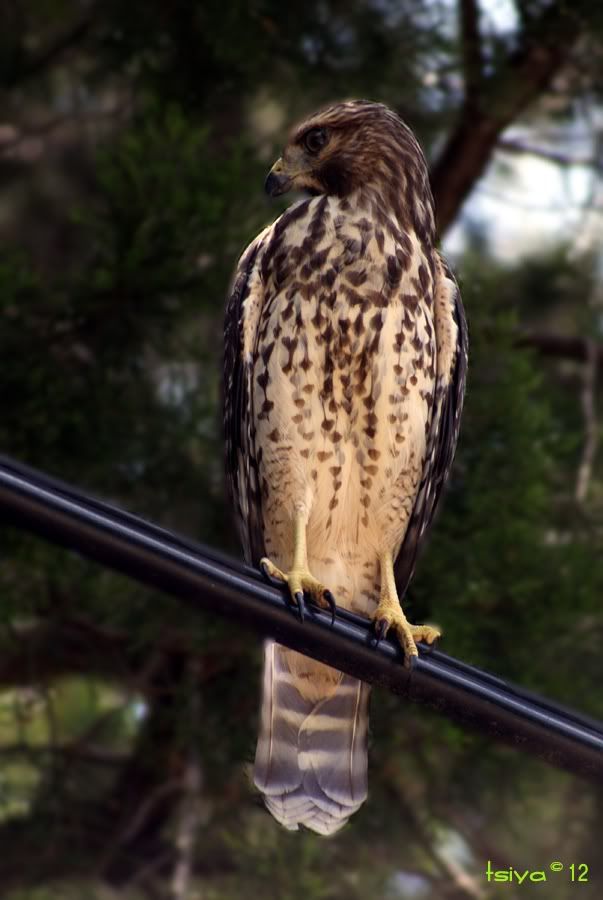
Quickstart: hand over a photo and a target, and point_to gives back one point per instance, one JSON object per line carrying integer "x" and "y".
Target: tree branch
{"x": 74, "y": 752}
{"x": 591, "y": 426}
{"x": 189, "y": 814}
{"x": 49, "y": 55}
{"x": 465, "y": 885}
{"x": 108, "y": 834}
{"x": 521, "y": 79}
{"x": 472, "y": 50}
{"x": 150, "y": 787}
{"x": 510, "y": 145}
{"x": 40, "y": 652}
{"x": 560, "y": 346}
{"x": 37, "y": 653}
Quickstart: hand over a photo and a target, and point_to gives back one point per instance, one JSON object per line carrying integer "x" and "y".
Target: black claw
{"x": 268, "y": 574}
{"x": 410, "y": 661}
{"x": 301, "y": 604}
{"x": 381, "y": 627}
{"x": 429, "y": 646}
{"x": 328, "y": 596}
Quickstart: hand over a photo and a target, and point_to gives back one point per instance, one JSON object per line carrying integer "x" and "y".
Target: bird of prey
{"x": 344, "y": 374}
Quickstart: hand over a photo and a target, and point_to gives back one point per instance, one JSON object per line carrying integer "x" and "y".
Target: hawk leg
{"x": 299, "y": 579}
{"x": 389, "y": 614}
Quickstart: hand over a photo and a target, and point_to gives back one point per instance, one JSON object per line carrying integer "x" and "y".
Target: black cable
{"x": 207, "y": 579}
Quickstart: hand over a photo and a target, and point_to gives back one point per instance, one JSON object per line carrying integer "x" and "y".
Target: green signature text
{"x": 573, "y": 872}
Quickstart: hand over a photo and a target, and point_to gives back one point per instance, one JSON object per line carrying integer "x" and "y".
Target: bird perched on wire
{"x": 344, "y": 369}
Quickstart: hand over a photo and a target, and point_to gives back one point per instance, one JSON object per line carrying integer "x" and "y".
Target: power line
{"x": 207, "y": 579}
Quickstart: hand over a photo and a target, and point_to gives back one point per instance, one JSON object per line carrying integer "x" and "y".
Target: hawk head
{"x": 353, "y": 146}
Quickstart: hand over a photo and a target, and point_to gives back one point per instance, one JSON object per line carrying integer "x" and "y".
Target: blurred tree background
{"x": 134, "y": 138}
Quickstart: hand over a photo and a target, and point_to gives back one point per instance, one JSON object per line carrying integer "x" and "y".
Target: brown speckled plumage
{"x": 344, "y": 378}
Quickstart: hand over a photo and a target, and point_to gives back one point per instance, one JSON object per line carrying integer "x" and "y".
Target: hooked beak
{"x": 277, "y": 181}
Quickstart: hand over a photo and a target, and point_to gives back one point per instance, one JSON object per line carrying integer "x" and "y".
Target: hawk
{"x": 344, "y": 372}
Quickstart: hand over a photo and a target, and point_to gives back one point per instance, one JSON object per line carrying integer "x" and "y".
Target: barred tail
{"x": 311, "y": 757}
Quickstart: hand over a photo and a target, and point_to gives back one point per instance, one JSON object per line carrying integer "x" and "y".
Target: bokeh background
{"x": 134, "y": 140}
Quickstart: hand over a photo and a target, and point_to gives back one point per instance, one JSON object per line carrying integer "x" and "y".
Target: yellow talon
{"x": 299, "y": 579}
{"x": 389, "y": 614}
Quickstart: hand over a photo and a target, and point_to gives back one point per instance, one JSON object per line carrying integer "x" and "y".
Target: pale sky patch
{"x": 530, "y": 203}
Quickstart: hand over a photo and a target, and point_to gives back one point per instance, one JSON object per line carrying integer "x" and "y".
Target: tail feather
{"x": 311, "y": 758}
{"x": 333, "y": 743}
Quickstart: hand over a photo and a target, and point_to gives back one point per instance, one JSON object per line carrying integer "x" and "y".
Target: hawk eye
{"x": 315, "y": 139}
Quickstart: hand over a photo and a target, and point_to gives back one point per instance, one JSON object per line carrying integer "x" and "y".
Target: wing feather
{"x": 445, "y": 422}
{"x": 241, "y": 463}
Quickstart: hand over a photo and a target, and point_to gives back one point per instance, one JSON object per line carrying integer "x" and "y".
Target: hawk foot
{"x": 389, "y": 615}
{"x": 301, "y": 583}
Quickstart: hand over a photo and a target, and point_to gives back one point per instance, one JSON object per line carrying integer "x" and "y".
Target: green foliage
{"x": 118, "y": 358}
{"x": 114, "y": 265}
{"x": 503, "y": 569}
{"x": 165, "y": 198}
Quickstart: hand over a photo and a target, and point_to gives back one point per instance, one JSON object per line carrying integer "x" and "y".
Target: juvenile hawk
{"x": 344, "y": 372}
